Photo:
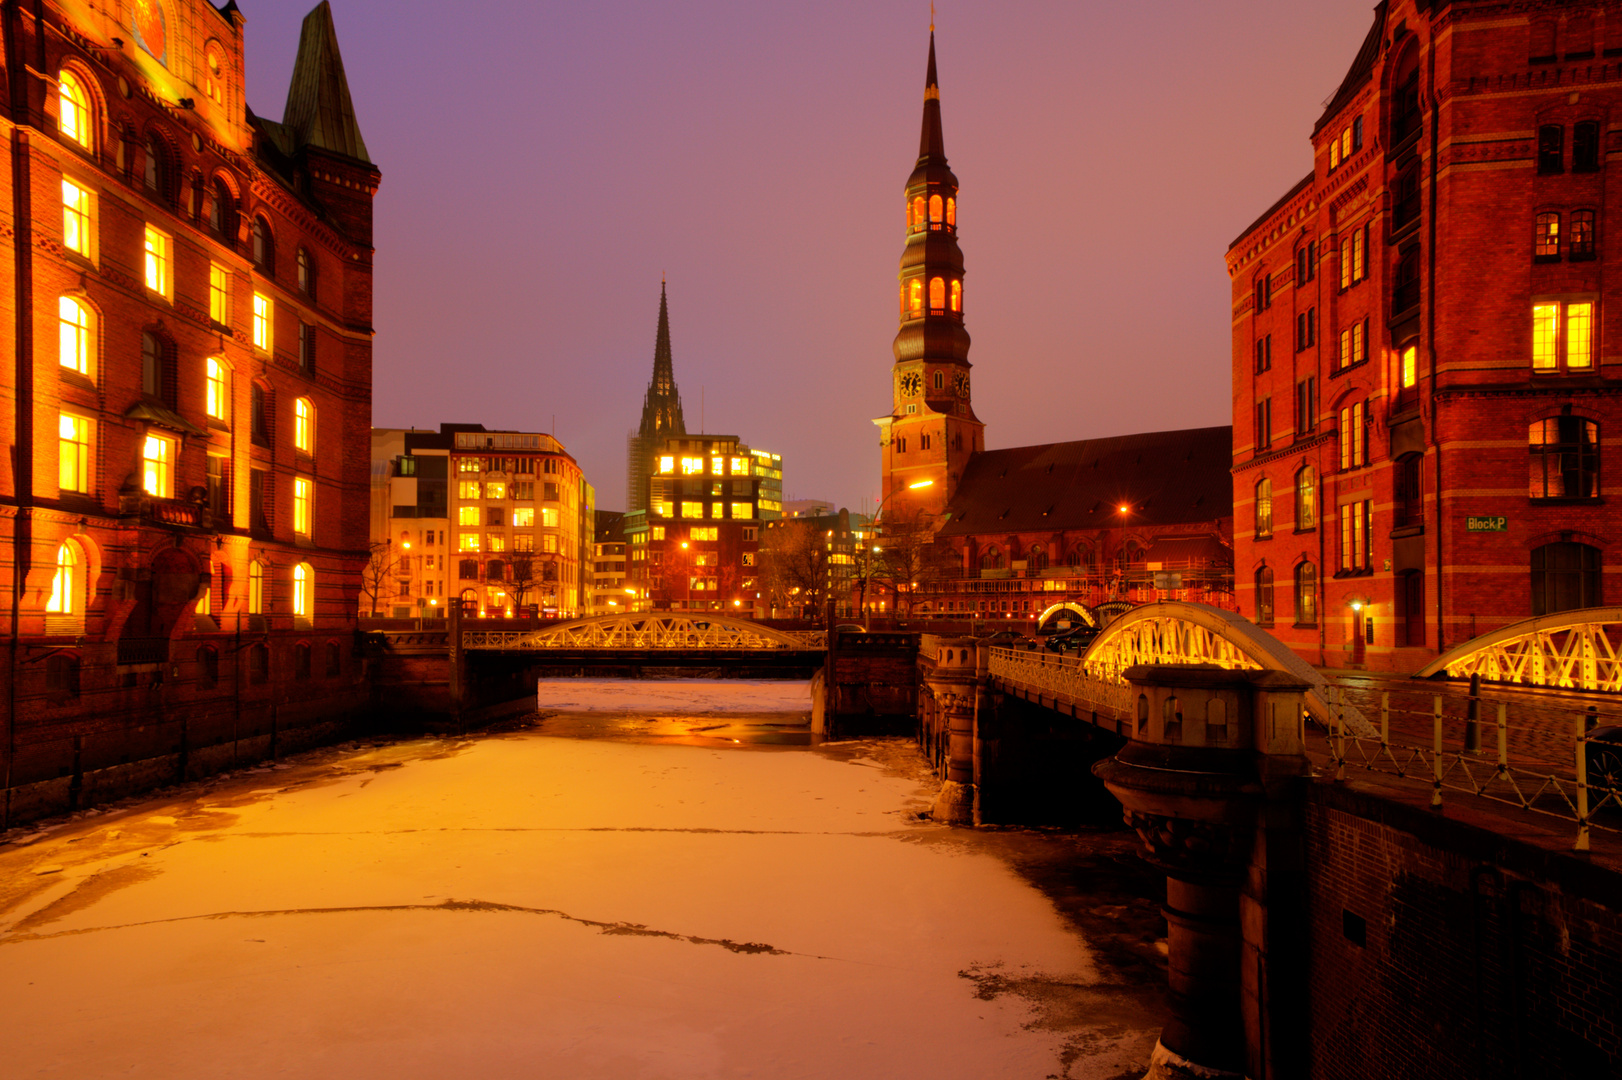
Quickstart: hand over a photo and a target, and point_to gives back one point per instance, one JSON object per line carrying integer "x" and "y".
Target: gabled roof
{"x": 1165, "y": 477}
{"x": 1300, "y": 185}
{"x": 319, "y": 112}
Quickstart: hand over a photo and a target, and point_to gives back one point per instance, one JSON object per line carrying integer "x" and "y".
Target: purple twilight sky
{"x": 543, "y": 163}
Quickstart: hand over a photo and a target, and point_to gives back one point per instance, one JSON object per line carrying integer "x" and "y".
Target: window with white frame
{"x": 303, "y": 504}
{"x": 219, "y": 294}
{"x": 73, "y": 453}
{"x": 159, "y": 260}
{"x": 1563, "y": 335}
{"x": 73, "y": 321}
{"x": 157, "y": 465}
{"x": 262, "y": 313}
{"x": 76, "y": 230}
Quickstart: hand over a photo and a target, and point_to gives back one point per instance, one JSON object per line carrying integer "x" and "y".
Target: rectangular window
{"x": 1306, "y": 405}
{"x": 1355, "y": 531}
{"x": 467, "y": 515}
{"x": 1357, "y": 133}
{"x": 549, "y": 517}
{"x": 1582, "y": 235}
{"x": 303, "y": 496}
{"x": 1545, "y": 337}
{"x": 467, "y": 465}
{"x": 75, "y": 218}
{"x": 1579, "y": 335}
{"x": 1306, "y": 264}
{"x": 219, "y": 294}
{"x": 1360, "y": 341}
{"x": 1264, "y": 423}
{"x": 692, "y": 510}
{"x": 157, "y": 465}
{"x": 667, "y": 464}
{"x": 523, "y": 542}
{"x": 494, "y": 516}
{"x": 496, "y": 541}
{"x": 1551, "y": 149}
{"x": 1306, "y": 329}
{"x": 467, "y": 542}
{"x": 1565, "y": 458}
{"x": 219, "y": 488}
{"x": 740, "y": 466}
{"x": 158, "y": 261}
{"x": 258, "y": 502}
{"x": 1563, "y": 335}
{"x": 524, "y": 517}
{"x": 743, "y": 510}
{"x": 657, "y": 532}
{"x": 262, "y": 315}
{"x": 1360, "y": 240}
{"x": 306, "y": 346}
{"x": 74, "y": 452}
{"x": 1264, "y": 353}
{"x": 469, "y": 489}
{"x": 1346, "y": 263}
{"x": 1345, "y": 360}
{"x": 524, "y": 489}
{"x": 495, "y": 489}
{"x": 1410, "y": 366}
{"x": 1546, "y": 237}
{"x": 1353, "y": 437}
{"x": 549, "y": 544}
{"x": 692, "y": 466}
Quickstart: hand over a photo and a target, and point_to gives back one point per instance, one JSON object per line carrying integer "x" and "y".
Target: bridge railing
{"x": 1061, "y": 676}
{"x": 1547, "y": 755}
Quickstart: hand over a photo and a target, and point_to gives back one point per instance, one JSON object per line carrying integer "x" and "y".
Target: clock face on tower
{"x": 962, "y": 384}
{"x": 911, "y": 383}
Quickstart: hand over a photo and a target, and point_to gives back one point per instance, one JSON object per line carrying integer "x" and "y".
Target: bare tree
{"x": 794, "y": 564}
{"x": 523, "y": 579}
{"x": 378, "y": 571}
{"x": 906, "y": 556}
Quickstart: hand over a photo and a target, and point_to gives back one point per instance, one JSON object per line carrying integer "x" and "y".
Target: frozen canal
{"x": 622, "y": 889}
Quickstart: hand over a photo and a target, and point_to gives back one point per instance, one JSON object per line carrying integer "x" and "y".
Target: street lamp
{"x": 867, "y": 551}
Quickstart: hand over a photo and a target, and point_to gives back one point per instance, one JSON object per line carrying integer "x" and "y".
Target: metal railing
{"x": 1061, "y": 676}
{"x": 1534, "y": 759}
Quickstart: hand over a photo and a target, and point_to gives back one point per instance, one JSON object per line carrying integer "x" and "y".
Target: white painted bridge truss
{"x": 648, "y": 630}
{"x": 1569, "y": 650}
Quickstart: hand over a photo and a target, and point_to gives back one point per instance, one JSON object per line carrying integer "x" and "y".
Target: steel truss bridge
{"x": 648, "y": 631}
{"x": 1569, "y": 650}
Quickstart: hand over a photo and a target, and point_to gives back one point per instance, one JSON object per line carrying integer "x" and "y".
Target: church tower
{"x": 931, "y": 430}
{"x": 661, "y": 416}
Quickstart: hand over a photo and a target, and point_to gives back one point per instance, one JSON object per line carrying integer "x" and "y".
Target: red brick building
{"x": 187, "y": 339}
{"x": 1424, "y": 374}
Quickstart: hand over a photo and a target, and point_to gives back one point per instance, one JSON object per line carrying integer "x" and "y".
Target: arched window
{"x": 1405, "y": 113}
{"x": 957, "y": 296}
{"x": 74, "y": 322}
{"x": 1076, "y": 557}
{"x": 1306, "y": 499}
{"x": 1565, "y": 576}
{"x": 468, "y": 568}
{"x": 335, "y": 659}
{"x": 937, "y": 294}
{"x": 214, "y": 82}
{"x": 1546, "y": 237}
{"x": 264, "y": 248}
{"x": 74, "y": 118}
{"x": 306, "y": 277}
{"x": 151, "y": 365}
{"x": 470, "y": 601}
{"x": 918, "y": 212}
{"x": 991, "y": 558}
{"x": 1306, "y": 595}
{"x": 218, "y": 378}
{"x": 1036, "y": 558}
{"x": 301, "y": 660}
{"x": 222, "y": 211}
{"x": 940, "y": 380}
{"x": 304, "y": 425}
{"x": 65, "y": 584}
{"x": 155, "y": 166}
{"x": 303, "y": 591}
{"x": 256, "y": 588}
{"x": 1565, "y": 458}
{"x": 1264, "y": 596}
{"x": 915, "y": 296}
{"x": 1264, "y": 508}
{"x": 936, "y": 210}
{"x": 951, "y": 212}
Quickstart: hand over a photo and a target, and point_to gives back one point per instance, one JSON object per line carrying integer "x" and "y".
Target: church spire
{"x": 661, "y": 406}
{"x": 932, "y": 144}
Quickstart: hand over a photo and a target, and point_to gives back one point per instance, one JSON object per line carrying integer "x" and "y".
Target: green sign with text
{"x": 1486, "y": 524}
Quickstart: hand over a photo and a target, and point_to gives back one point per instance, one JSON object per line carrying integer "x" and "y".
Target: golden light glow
{"x": 1545, "y": 337}
{"x": 915, "y": 296}
{"x": 256, "y": 587}
{"x": 467, "y": 542}
{"x": 1125, "y": 508}
{"x": 743, "y": 510}
{"x": 549, "y": 517}
{"x": 75, "y": 218}
{"x": 303, "y": 494}
{"x": 1579, "y": 335}
{"x": 219, "y": 396}
{"x": 262, "y": 339}
{"x": 1410, "y": 366}
{"x": 957, "y": 296}
{"x": 658, "y": 532}
{"x": 740, "y": 466}
{"x": 467, "y": 515}
{"x": 524, "y": 517}
{"x": 468, "y": 489}
{"x": 718, "y": 466}
{"x": 75, "y": 327}
{"x": 73, "y": 452}
{"x": 936, "y": 210}
{"x": 303, "y": 590}
{"x": 915, "y": 485}
{"x": 692, "y": 466}
{"x": 667, "y": 464}
{"x": 918, "y": 212}
{"x": 203, "y": 601}
{"x": 157, "y": 454}
{"x": 692, "y": 510}
{"x": 62, "y": 584}
{"x": 157, "y": 261}
{"x": 951, "y": 212}
{"x": 937, "y": 294}
{"x": 219, "y": 295}
{"x": 73, "y": 115}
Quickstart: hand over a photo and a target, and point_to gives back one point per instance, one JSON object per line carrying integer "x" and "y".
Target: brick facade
{"x": 1386, "y": 337}
{"x": 221, "y": 267}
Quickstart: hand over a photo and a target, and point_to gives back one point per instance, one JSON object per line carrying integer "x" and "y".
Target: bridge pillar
{"x": 1213, "y": 781}
{"x": 957, "y": 684}
{"x": 458, "y": 674}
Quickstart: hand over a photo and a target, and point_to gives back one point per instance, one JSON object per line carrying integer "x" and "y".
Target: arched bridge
{"x": 640, "y": 632}
{"x": 1569, "y": 650}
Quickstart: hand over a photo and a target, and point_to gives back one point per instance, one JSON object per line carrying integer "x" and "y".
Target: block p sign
{"x": 1486, "y": 524}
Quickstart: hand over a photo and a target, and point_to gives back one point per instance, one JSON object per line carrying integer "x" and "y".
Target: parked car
{"x": 1005, "y": 638}
{"x": 1074, "y": 640}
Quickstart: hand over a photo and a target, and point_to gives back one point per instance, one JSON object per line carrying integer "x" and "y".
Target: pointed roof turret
{"x": 932, "y": 144}
{"x": 319, "y": 112}
{"x": 661, "y": 407}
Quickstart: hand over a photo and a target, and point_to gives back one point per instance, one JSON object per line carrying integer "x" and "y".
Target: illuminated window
{"x": 692, "y": 466}
{"x": 1354, "y": 445}
{"x": 524, "y": 517}
{"x": 915, "y": 297}
{"x": 957, "y": 296}
{"x": 219, "y": 294}
{"x": 667, "y": 509}
{"x": 692, "y": 510}
{"x": 157, "y": 261}
{"x": 549, "y": 517}
{"x": 467, "y": 515}
{"x": 937, "y": 294}
{"x": 467, "y": 542}
{"x": 1306, "y": 499}
{"x": 497, "y": 542}
{"x": 1355, "y": 522}
{"x": 1410, "y": 366}
{"x": 658, "y": 532}
{"x": 743, "y": 510}
{"x": 214, "y": 82}
{"x": 303, "y": 494}
{"x": 74, "y": 323}
{"x": 75, "y": 218}
{"x": 1573, "y": 348}
{"x": 63, "y": 590}
{"x": 549, "y": 544}
{"x": 157, "y": 464}
{"x": 1546, "y": 237}
{"x": 1565, "y": 458}
{"x": 256, "y": 588}
{"x": 305, "y": 279}
{"x": 1306, "y": 595}
{"x": 1579, "y": 335}
{"x": 523, "y": 542}
{"x": 219, "y": 388}
{"x": 303, "y": 591}
{"x": 667, "y": 464}
{"x": 73, "y": 116}
{"x": 740, "y": 466}
{"x": 701, "y": 533}
{"x": 936, "y": 210}
{"x": 73, "y": 450}
{"x": 262, "y": 339}
{"x": 468, "y": 489}
{"x": 495, "y": 489}
{"x": 1264, "y": 508}
{"x": 951, "y": 212}
{"x": 1582, "y": 235}
{"x": 303, "y": 425}
{"x": 918, "y": 212}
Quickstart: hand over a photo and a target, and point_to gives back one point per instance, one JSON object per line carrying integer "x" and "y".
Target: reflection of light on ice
{"x": 700, "y": 696}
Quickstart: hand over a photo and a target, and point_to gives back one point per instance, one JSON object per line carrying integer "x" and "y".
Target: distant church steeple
{"x": 931, "y": 430}
{"x": 661, "y": 415}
